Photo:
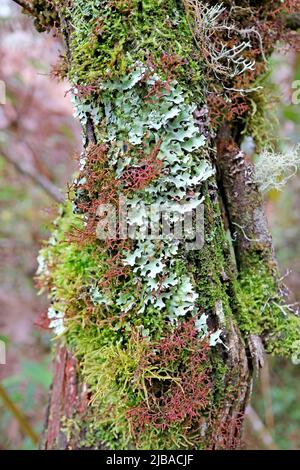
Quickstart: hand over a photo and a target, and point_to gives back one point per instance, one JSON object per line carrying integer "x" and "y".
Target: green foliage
{"x": 108, "y": 41}
{"x": 125, "y": 378}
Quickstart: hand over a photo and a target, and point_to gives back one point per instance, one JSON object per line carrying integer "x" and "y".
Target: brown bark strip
{"x": 70, "y": 387}
{"x": 227, "y": 432}
{"x": 246, "y": 217}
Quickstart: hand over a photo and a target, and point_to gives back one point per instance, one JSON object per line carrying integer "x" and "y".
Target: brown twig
{"x": 18, "y": 415}
{"x": 37, "y": 178}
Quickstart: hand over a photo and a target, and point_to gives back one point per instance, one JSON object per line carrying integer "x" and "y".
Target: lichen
{"x": 107, "y": 41}
{"x": 273, "y": 170}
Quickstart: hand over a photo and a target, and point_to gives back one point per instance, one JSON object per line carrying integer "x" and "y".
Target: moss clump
{"x": 212, "y": 265}
{"x": 109, "y": 365}
{"x": 68, "y": 270}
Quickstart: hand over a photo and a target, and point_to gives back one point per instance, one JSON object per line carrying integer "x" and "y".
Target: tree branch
{"x": 37, "y": 178}
{"x": 21, "y": 419}
{"x": 244, "y": 203}
{"x": 293, "y": 21}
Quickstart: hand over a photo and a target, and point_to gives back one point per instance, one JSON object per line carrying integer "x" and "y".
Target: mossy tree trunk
{"x": 158, "y": 343}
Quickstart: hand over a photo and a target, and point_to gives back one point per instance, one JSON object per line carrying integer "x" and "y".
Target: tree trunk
{"x": 158, "y": 341}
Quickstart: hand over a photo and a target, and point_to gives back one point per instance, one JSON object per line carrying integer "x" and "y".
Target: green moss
{"x": 45, "y": 13}
{"x": 112, "y": 368}
{"x": 107, "y": 42}
{"x": 109, "y": 368}
{"x": 113, "y": 430}
{"x": 70, "y": 269}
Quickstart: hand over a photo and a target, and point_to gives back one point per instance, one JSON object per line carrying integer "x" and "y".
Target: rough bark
{"x": 217, "y": 269}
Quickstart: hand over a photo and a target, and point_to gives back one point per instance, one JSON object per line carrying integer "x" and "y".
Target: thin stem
{"x": 259, "y": 429}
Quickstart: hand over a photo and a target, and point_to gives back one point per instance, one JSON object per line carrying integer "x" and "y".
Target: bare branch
{"x": 37, "y": 178}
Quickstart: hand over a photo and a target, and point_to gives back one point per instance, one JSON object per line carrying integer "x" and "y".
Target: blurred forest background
{"x": 39, "y": 139}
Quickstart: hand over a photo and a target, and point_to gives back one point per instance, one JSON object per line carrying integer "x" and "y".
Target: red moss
{"x": 221, "y": 109}
{"x": 59, "y": 71}
{"x": 83, "y": 91}
{"x": 169, "y": 64}
{"x": 98, "y": 187}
